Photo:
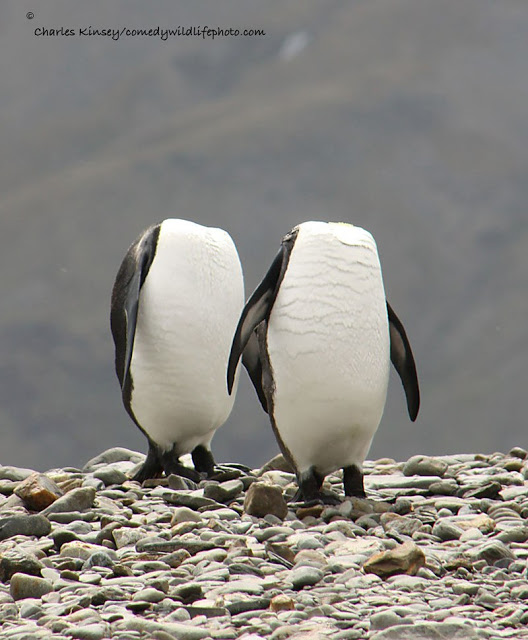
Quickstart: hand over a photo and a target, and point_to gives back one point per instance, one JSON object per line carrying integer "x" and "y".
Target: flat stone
{"x": 278, "y": 463}
{"x": 16, "y": 474}
{"x": 405, "y": 558}
{"x": 424, "y": 466}
{"x": 150, "y": 545}
{"x": 110, "y": 475}
{"x": 192, "y": 499}
{"x": 253, "y": 604}
{"x": 75, "y": 500}
{"x": 384, "y": 620}
{"x": 116, "y": 454}
{"x": 487, "y": 490}
{"x": 23, "y": 586}
{"x": 429, "y": 631}
{"x": 225, "y": 491}
{"x": 93, "y": 631}
{"x": 38, "y": 491}
{"x": 34, "y": 525}
{"x": 263, "y": 499}
{"x": 179, "y": 631}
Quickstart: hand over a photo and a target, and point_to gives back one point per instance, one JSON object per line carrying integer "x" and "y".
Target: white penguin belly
{"x": 328, "y": 344}
{"x": 188, "y": 310}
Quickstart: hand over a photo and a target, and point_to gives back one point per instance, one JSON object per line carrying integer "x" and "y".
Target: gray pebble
{"x": 75, "y": 500}
{"x": 446, "y": 531}
{"x": 33, "y": 525}
{"x": 305, "y": 576}
{"x": 424, "y": 466}
{"x": 110, "y": 475}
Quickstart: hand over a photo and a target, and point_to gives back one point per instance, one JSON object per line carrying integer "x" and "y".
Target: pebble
{"x": 22, "y": 586}
{"x": 32, "y": 525}
{"x": 173, "y": 559}
{"x": 262, "y": 499}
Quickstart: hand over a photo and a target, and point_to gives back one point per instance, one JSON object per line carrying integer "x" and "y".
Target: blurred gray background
{"x": 407, "y": 117}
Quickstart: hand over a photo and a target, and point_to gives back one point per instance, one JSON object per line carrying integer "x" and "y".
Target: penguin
{"x": 175, "y": 304}
{"x": 319, "y": 335}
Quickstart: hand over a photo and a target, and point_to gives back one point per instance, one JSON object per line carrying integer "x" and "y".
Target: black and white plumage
{"x": 175, "y": 304}
{"x": 319, "y": 336}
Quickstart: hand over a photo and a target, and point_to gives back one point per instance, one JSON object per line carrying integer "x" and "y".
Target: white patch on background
{"x": 189, "y": 307}
{"x": 328, "y": 341}
{"x": 293, "y": 44}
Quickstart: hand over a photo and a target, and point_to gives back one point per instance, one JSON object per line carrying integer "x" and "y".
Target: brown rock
{"x": 38, "y": 491}
{"x": 482, "y": 522}
{"x": 315, "y": 511}
{"x": 263, "y": 499}
{"x": 278, "y": 463}
{"x": 282, "y": 603}
{"x": 405, "y": 558}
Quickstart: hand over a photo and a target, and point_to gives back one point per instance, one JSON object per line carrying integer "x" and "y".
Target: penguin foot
{"x": 353, "y": 482}
{"x": 151, "y": 468}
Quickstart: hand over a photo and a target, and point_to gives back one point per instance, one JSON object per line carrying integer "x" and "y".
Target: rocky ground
{"x": 439, "y": 550}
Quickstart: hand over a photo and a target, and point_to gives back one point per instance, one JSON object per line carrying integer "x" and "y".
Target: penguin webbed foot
{"x": 310, "y": 490}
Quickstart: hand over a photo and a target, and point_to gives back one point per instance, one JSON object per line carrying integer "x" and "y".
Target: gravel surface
{"x": 438, "y": 550}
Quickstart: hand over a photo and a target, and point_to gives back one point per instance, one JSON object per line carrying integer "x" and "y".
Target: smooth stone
{"x": 31, "y": 609}
{"x": 23, "y": 586}
{"x": 305, "y": 576}
{"x": 254, "y": 604}
{"x": 278, "y": 463}
{"x": 93, "y": 631}
{"x": 262, "y": 499}
{"x": 491, "y": 552}
{"x": 429, "y": 631}
{"x": 424, "y": 466}
{"x": 179, "y": 631}
{"x": 110, "y": 476}
{"x": 384, "y": 620}
{"x": 487, "y": 490}
{"x": 115, "y": 454}
{"x": 148, "y": 595}
{"x": 446, "y": 531}
{"x": 193, "y": 499}
{"x": 154, "y": 545}
{"x": 444, "y": 488}
{"x": 17, "y": 560}
{"x": 225, "y": 491}
{"x": 184, "y": 514}
{"x": 75, "y": 500}
{"x": 33, "y": 525}
{"x": 519, "y": 452}
{"x": 16, "y": 474}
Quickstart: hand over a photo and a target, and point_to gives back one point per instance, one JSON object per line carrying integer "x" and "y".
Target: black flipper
{"x": 257, "y": 309}
{"x": 251, "y": 360}
{"x": 125, "y": 299}
{"x": 403, "y": 361}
